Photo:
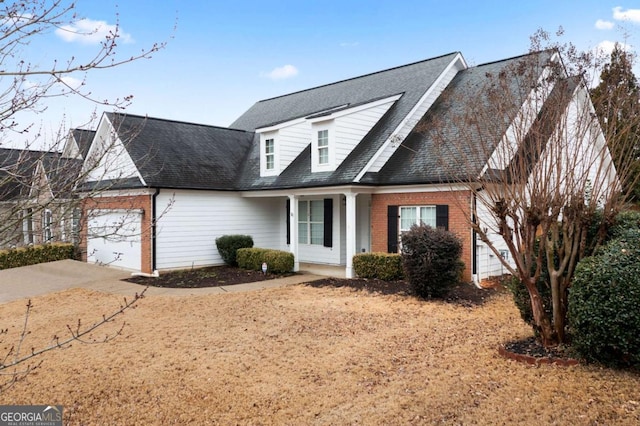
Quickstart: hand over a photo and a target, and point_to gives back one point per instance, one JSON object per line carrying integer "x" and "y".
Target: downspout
{"x": 474, "y": 240}
{"x": 153, "y": 231}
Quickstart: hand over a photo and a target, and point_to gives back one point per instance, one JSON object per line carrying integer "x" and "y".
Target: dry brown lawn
{"x": 302, "y": 355}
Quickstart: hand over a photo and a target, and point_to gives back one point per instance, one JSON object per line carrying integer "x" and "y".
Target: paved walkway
{"x": 30, "y": 281}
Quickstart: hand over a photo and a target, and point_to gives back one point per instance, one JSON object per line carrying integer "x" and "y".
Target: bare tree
{"x": 36, "y": 184}
{"x": 522, "y": 136}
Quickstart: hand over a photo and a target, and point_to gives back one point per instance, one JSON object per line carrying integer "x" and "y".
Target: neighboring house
{"x": 324, "y": 173}
{"x": 37, "y": 193}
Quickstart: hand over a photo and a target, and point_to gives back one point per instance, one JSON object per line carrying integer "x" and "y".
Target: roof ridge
{"x": 361, "y": 76}
{"x": 512, "y": 58}
{"x": 168, "y": 120}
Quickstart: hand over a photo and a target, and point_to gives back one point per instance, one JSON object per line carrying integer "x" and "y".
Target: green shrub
{"x": 628, "y": 219}
{"x": 383, "y": 266}
{"x": 603, "y": 314}
{"x": 431, "y": 260}
{"x": 228, "y": 245}
{"x": 32, "y": 255}
{"x": 277, "y": 261}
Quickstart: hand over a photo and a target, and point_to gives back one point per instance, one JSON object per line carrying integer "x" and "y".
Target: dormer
{"x": 336, "y": 132}
{"x": 269, "y": 155}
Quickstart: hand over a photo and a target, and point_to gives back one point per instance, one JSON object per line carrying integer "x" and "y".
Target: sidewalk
{"x": 35, "y": 280}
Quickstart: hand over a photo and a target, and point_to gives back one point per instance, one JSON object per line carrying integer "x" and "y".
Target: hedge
{"x": 277, "y": 261}
{"x": 383, "y": 266}
{"x": 228, "y": 246}
{"x": 32, "y": 255}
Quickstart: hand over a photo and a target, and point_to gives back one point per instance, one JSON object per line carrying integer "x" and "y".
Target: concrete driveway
{"x": 29, "y": 281}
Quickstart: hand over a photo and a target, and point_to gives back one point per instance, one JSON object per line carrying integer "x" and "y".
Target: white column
{"x": 293, "y": 230}
{"x": 351, "y": 233}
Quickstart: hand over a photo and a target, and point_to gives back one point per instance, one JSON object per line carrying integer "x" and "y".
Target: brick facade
{"x": 457, "y": 201}
{"x": 138, "y": 202}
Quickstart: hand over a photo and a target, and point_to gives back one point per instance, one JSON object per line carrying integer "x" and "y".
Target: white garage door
{"x": 114, "y": 238}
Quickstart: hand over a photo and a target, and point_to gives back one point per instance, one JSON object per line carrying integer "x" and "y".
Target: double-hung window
{"x": 270, "y": 154}
{"x": 311, "y": 222}
{"x": 323, "y": 146}
{"x": 47, "y": 219}
{"x": 417, "y": 215}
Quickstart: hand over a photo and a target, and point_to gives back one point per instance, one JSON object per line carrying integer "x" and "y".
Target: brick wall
{"x": 139, "y": 202}
{"x": 457, "y": 201}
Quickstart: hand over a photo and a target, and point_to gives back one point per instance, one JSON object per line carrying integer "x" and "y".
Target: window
{"x": 416, "y": 215}
{"x": 75, "y": 225}
{"x": 47, "y": 218}
{"x": 311, "y": 222}
{"x": 270, "y": 154}
{"x": 27, "y": 226}
{"x": 323, "y": 147}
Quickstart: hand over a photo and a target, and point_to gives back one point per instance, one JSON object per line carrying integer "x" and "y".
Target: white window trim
{"x": 330, "y": 165}
{"x": 306, "y": 222}
{"x": 264, "y": 171}
{"x": 419, "y": 219}
{"x": 47, "y": 225}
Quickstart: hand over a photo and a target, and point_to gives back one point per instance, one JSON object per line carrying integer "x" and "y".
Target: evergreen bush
{"x": 383, "y": 266}
{"x": 431, "y": 260}
{"x": 228, "y": 245}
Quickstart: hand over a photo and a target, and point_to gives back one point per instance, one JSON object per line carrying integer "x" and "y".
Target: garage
{"x": 114, "y": 238}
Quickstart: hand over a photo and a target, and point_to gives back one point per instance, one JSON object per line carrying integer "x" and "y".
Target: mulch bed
{"x": 214, "y": 276}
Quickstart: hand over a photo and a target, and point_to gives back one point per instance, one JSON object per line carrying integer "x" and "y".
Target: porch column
{"x": 293, "y": 231}
{"x": 351, "y": 232}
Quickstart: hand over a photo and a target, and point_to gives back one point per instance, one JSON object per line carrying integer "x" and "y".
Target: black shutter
{"x": 442, "y": 217}
{"x": 392, "y": 229}
{"x": 288, "y": 221}
{"x": 328, "y": 222}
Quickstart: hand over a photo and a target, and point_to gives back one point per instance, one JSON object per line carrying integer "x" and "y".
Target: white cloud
{"x": 631, "y": 15}
{"x": 281, "y": 73}
{"x": 72, "y": 82}
{"x": 606, "y": 47}
{"x": 604, "y": 25}
{"x": 88, "y": 31}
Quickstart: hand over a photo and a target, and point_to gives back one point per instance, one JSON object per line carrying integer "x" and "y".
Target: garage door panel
{"x": 114, "y": 238}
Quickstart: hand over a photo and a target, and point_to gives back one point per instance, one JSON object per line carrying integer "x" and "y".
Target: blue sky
{"x": 223, "y": 56}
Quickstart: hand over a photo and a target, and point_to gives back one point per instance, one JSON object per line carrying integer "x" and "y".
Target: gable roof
{"x": 174, "y": 154}
{"x": 83, "y": 138}
{"x": 18, "y": 167}
{"x": 421, "y": 161}
{"x": 412, "y": 81}
{"x": 16, "y": 171}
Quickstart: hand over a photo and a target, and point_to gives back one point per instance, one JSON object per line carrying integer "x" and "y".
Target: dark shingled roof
{"x": 174, "y": 154}
{"x": 83, "y": 138}
{"x": 17, "y": 168}
{"x": 425, "y": 158}
{"x": 412, "y": 81}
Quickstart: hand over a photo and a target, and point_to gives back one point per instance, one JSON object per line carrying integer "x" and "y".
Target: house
{"x": 324, "y": 173}
{"x": 37, "y": 199}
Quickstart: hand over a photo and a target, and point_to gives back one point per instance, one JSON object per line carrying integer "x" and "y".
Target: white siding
{"x": 352, "y": 128}
{"x": 108, "y": 158}
{"x": 291, "y": 141}
{"x": 186, "y": 232}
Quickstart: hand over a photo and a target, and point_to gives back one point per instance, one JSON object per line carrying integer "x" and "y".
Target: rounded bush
{"x": 603, "y": 314}
{"x": 383, "y": 266}
{"x": 431, "y": 260}
{"x": 228, "y": 245}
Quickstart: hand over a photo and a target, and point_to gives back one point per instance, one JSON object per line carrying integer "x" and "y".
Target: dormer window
{"x": 323, "y": 147}
{"x": 270, "y": 154}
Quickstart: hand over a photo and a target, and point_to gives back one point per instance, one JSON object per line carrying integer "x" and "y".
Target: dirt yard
{"x": 303, "y": 355}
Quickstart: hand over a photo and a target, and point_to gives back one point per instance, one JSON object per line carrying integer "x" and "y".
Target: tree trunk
{"x": 542, "y": 322}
